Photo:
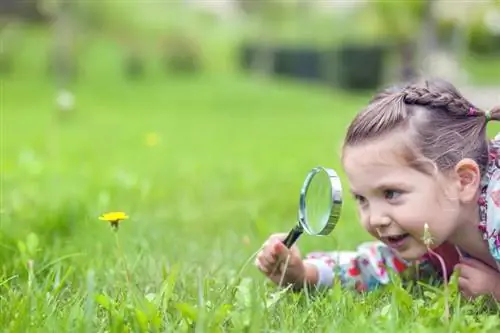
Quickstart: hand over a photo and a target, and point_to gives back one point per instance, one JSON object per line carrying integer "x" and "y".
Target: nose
{"x": 379, "y": 221}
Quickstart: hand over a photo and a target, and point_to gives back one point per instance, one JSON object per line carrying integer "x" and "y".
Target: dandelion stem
{"x": 427, "y": 238}
{"x": 122, "y": 256}
{"x": 445, "y": 277}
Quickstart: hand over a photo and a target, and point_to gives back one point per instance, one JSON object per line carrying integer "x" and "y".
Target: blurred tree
{"x": 400, "y": 22}
{"x": 114, "y": 21}
{"x": 12, "y": 14}
{"x": 62, "y": 63}
{"x": 9, "y": 29}
{"x": 467, "y": 25}
{"x": 181, "y": 53}
{"x": 24, "y": 10}
{"x": 136, "y": 26}
{"x": 269, "y": 17}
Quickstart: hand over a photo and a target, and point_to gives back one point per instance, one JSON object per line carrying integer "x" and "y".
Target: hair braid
{"x": 439, "y": 124}
{"x": 441, "y": 100}
{"x": 457, "y": 106}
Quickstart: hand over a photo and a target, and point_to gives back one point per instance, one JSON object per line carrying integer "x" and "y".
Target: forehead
{"x": 377, "y": 162}
{"x": 391, "y": 150}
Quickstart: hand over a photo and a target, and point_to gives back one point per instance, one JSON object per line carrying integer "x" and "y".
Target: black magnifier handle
{"x": 293, "y": 235}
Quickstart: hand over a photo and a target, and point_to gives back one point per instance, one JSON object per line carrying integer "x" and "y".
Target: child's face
{"x": 395, "y": 201}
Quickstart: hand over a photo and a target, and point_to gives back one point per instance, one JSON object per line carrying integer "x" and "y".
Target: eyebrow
{"x": 353, "y": 193}
{"x": 385, "y": 186}
{"x": 391, "y": 185}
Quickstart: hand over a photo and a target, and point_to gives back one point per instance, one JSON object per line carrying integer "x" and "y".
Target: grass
{"x": 225, "y": 173}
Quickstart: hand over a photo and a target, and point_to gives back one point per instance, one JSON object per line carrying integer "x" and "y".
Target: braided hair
{"x": 436, "y": 122}
{"x": 459, "y": 107}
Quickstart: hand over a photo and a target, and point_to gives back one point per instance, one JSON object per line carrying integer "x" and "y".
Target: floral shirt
{"x": 367, "y": 268}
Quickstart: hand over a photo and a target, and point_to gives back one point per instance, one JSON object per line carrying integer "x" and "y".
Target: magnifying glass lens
{"x": 319, "y": 206}
{"x": 318, "y": 203}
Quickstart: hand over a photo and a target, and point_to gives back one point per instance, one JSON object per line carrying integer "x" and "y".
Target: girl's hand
{"x": 476, "y": 279}
{"x": 272, "y": 258}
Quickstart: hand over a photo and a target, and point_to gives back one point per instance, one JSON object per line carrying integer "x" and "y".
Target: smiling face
{"x": 395, "y": 200}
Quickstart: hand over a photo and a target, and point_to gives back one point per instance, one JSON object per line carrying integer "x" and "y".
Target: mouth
{"x": 396, "y": 240}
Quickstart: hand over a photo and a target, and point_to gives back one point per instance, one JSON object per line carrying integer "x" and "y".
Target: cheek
{"x": 438, "y": 213}
{"x": 444, "y": 208}
{"x": 362, "y": 216}
{"x": 365, "y": 223}
{"x": 413, "y": 215}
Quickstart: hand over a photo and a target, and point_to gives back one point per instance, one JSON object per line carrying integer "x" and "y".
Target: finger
{"x": 263, "y": 266}
{"x": 463, "y": 283}
{"x": 465, "y": 271}
{"x": 275, "y": 251}
{"x": 270, "y": 252}
{"x": 474, "y": 263}
{"x": 266, "y": 261}
{"x": 281, "y": 254}
{"x": 280, "y": 250}
{"x": 266, "y": 270}
{"x": 278, "y": 237}
{"x": 269, "y": 241}
{"x": 464, "y": 286}
{"x": 260, "y": 266}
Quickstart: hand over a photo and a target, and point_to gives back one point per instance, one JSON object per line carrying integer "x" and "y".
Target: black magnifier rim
{"x": 336, "y": 196}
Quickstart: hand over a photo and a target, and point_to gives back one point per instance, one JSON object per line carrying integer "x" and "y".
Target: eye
{"x": 391, "y": 194}
{"x": 360, "y": 199}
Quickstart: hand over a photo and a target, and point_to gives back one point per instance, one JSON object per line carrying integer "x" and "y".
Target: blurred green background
{"x": 200, "y": 119}
{"x": 239, "y": 99}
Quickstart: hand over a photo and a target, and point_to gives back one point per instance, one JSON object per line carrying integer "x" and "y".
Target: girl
{"x": 416, "y": 156}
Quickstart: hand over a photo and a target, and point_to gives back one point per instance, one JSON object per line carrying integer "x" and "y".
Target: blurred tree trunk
{"x": 62, "y": 65}
{"x": 459, "y": 41}
{"x": 6, "y": 54}
{"x": 428, "y": 41}
{"x": 399, "y": 20}
{"x": 62, "y": 59}
{"x": 263, "y": 62}
{"x": 269, "y": 15}
{"x": 407, "y": 52}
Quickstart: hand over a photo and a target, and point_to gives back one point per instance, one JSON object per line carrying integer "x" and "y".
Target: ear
{"x": 469, "y": 178}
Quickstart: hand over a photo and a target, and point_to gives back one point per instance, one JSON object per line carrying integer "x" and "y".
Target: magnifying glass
{"x": 320, "y": 205}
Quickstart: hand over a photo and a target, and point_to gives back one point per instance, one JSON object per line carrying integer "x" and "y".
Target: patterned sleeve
{"x": 363, "y": 270}
{"x": 489, "y": 201}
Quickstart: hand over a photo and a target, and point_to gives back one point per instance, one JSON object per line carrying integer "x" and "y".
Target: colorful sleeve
{"x": 363, "y": 270}
{"x": 489, "y": 201}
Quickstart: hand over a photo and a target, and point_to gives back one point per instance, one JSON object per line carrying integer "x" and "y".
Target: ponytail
{"x": 493, "y": 114}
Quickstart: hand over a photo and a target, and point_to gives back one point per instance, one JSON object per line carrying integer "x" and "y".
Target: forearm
{"x": 310, "y": 278}
{"x": 312, "y": 274}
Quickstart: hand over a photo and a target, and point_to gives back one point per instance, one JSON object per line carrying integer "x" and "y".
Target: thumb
{"x": 280, "y": 250}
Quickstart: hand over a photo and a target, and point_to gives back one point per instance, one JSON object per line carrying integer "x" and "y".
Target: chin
{"x": 412, "y": 253}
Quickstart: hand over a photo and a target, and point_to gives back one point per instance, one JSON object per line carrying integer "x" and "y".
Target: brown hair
{"x": 440, "y": 125}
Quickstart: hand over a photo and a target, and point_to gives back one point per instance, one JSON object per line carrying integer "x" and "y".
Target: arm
{"x": 363, "y": 270}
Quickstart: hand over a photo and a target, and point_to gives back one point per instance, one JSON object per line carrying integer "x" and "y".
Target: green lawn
{"x": 226, "y": 172}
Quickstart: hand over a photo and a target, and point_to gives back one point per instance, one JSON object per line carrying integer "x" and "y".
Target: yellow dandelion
{"x": 152, "y": 139}
{"x": 114, "y": 218}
